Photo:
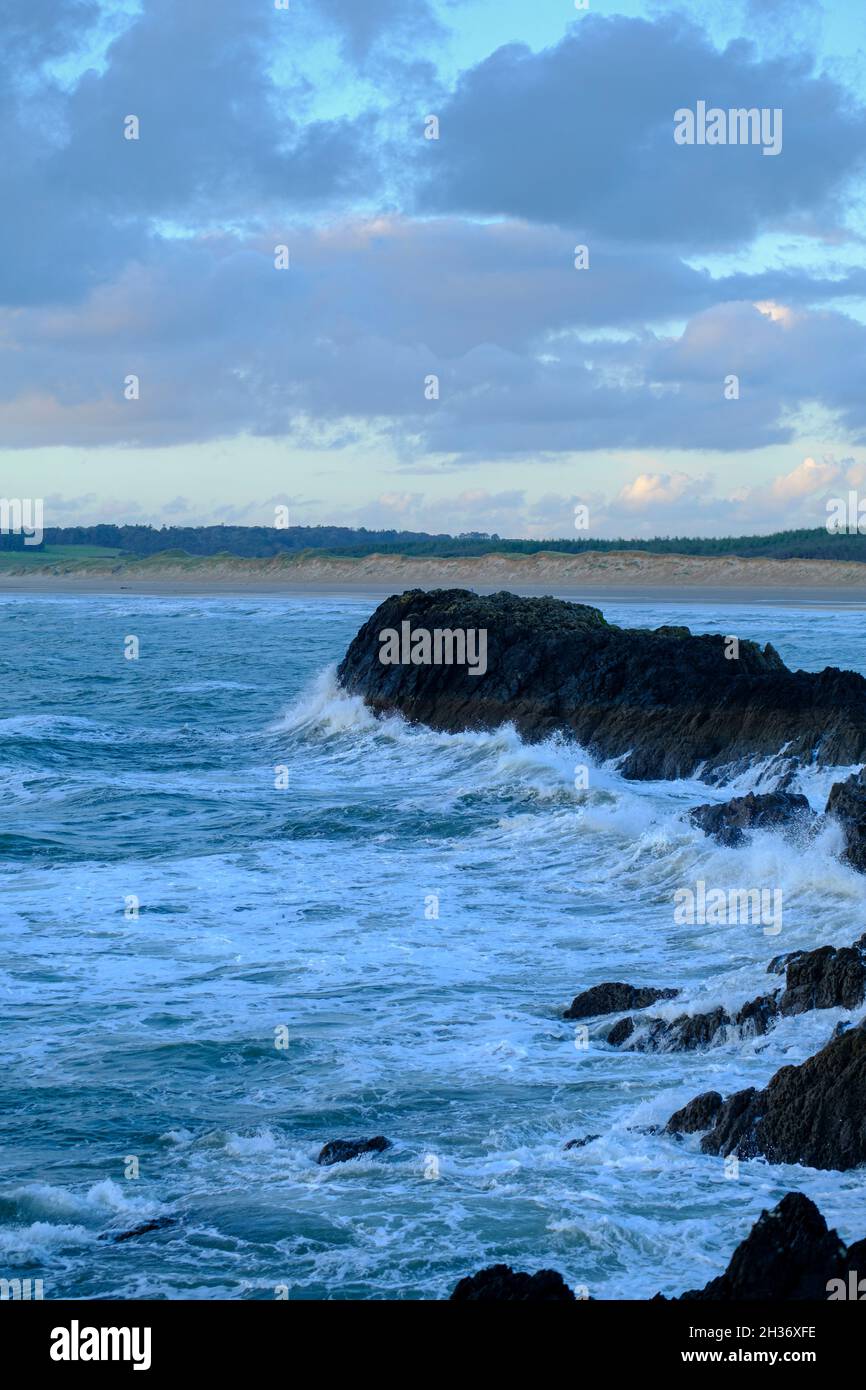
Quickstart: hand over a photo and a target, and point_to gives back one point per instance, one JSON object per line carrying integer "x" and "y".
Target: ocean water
{"x": 384, "y": 946}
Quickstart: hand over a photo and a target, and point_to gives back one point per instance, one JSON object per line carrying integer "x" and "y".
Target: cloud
{"x": 581, "y": 135}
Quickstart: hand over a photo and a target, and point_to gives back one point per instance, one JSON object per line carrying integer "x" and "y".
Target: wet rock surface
{"x": 728, "y": 821}
{"x": 614, "y": 998}
{"x": 667, "y": 702}
{"x": 814, "y": 1114}
{"x": 501, "y": 1282}
{"x": 342, "y": 1150}
{"x": 847, "y": 804}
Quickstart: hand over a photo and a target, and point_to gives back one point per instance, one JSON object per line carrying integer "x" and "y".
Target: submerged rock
{"x": 847, "y": 804}
{"x": 666, "y": 702}
{"x": 501, "y": 1282}
{"x": 614, "y": 998}
{"x": 788, "y": 1254}
{"x": 727, "y": 822}
{"x": 581, "y": 1143}
{"x": 160, "y": 1223}
{"x": 813, "y": 1114}
{"x": 341, "y": 1150}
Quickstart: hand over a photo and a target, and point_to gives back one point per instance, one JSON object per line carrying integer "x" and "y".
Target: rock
{"x": 827, "y": 978}
{"x": 726, "y": 821}
{"x": 501, "y": 1282}
{"x": 160, "y": 1223}
{"x": 779, "y": 964}
{"x": 697, "y": 1115}
{"x": 582, "y": 1143}
{"x": 614, "y": 999}
{"x": 620, "y": 1032}
{"x": 788, "y": 1254}
{"x": 813, "y": 1114}
{"x": 341, "y": 1150}
{"x": 665, "y": 702}
{"x": 847, "y": 804}
{"x": 755, "y": 1018}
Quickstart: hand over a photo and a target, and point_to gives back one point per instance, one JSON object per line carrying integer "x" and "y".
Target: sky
{"x": 430, "y": 357}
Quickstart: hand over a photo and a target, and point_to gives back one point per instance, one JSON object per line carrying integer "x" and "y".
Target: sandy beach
{"x": 594, "y": 576}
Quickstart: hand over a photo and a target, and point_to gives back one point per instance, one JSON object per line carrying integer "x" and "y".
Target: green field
{"x": 54, "y": 555}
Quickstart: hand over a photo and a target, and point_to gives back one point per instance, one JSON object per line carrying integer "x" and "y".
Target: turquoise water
{"x": 311, "y": 908}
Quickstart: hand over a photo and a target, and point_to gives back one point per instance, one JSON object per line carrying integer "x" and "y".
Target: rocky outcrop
{"x": 700, "y": 1114}
{"x": 847, "y": 804}
{"x": 728, "y": 821}
{"x": 614, "y": 998}
{"x": 667, "y": 702}
{"x": 500, "y": 1283}
{"x": 341, "y": 1150}
{"x": 827, "y": 978}
{"x": 813, "y": 1114}
{"x": 788, "y": 1254}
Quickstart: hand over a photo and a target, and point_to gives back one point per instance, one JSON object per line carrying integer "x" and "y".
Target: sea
{"x": 241, "y": 917}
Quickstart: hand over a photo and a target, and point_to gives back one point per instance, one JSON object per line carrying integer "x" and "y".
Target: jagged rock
{"x": 501, "y": 1282}
{"x": 697, "y": 1115}
{"x": 827, "y": 978}
{"x": 341, "y": 1150}
{"x": 813, "y": 1114}
{"x": 665, "y": 702}
{"x": 847, "y": 803}
{"x": 614, "y": 998}
{"x": 779, "y": 964}
{"x": 726, "y": 822}
{"x": 788, "y": 1254}
{"x": 582, "y": 1143}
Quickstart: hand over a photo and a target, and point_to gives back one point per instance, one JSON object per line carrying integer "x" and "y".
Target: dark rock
{"x": 847, "y": 803}
{"x": 687, "y": 1033}
{"x": 755, "y": 1018}
{"x": 582, "y": 1143}
{"x": 160, "y": 1223}
{"x": 779, "y": 964}
{"x": 825, "y": 979}
{"x": 501, "y": 1282}
{"x": 788, "y": 1254}
{"x": 615, "y": 999}
{"x": 620, "y": 1032}
{"x": 813, "y": 1114}
{"x": 727, "y": 821}
{"x": 665, "y": 702}
{"x": 341, "y": 1150}
{"x": 697, "y": 1115}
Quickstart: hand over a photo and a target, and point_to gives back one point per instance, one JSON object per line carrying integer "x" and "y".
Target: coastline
{"x": 593, "y": 577}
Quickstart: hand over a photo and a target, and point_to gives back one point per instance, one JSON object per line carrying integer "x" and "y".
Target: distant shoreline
{"x": 623, "y": 576}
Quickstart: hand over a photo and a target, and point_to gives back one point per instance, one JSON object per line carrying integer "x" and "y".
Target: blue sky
{"x": 413, "y": 258}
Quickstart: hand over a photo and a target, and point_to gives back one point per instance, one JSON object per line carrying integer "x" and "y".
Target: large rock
{"x": 847, "y": 803}
{"x": 615, "y": 998}
{"x": 813, "y": 1114}
{"x": 828, "y": 978}
{"x": 342, "y": 1150}
{"x": 788, "y": 1254}
{"x": 727, "y": 821}
{"x": 500, "y": 1283}
{"x": 667, "y": 702}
